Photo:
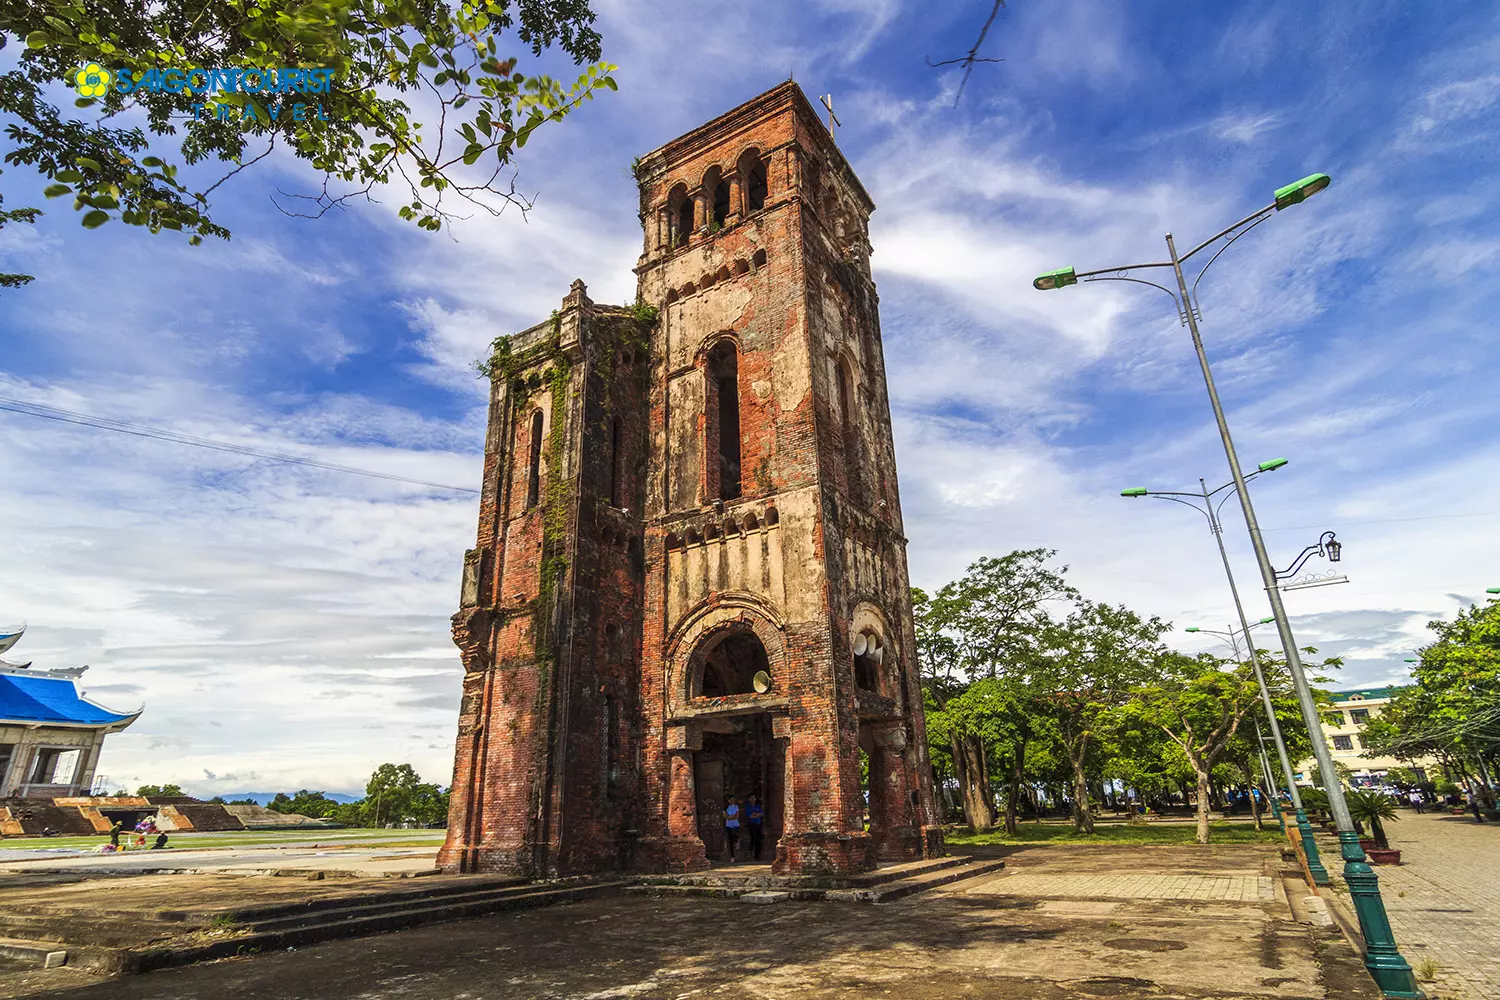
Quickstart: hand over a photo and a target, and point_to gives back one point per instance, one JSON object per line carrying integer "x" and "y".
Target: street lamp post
{"x": 1391, "y": 972}
{"x": 1209, "y": 509}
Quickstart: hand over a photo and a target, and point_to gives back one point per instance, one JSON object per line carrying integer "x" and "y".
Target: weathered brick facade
{"x": 690, "y": 580}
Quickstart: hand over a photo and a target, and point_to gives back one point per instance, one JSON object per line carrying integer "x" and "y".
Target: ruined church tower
{"x": 690, "y": 580}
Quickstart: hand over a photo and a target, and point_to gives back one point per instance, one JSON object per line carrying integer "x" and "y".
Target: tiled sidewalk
{"x": 1227, "y": 888}
{"x": 1444, "y": 900}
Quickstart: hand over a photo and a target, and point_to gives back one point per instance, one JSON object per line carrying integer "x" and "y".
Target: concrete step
{"x": 921, "y": 882}
{"x": 425, "y": 891}
{"x": 335, "y": 924}
{"x": 65, "y": 928}
{"x": 33, "y": 954}
{"x": 910, "y": 869}
{"x": 286, "y": 920}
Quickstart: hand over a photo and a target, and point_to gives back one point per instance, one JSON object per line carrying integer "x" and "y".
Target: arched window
{"x": 869, "y": 654}
{"x": 681, "y": 204}
{"x": 534, "y": 465}
{"x": 721, "y": 203}
{"x": 753, "y": 177}
{"x": 759, "y": 259}
{"x": 723, "y": 369}
{"x": 614, "y": 462}
{"x": 731, "y": 663}
{"x": 845, "y": 401}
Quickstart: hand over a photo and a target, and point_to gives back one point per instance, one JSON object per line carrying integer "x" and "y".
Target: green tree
{"x": 304, "y": 803}
{"x": 114, "y": 161}
{"x": 395, "y": 793}
{"x": 1091, "y": 663}
{"x": 1453, "y": 711}
{"x": 982, "y": 626}
{"x": 161, "y": 790}
{"x": 1199, "y": 705}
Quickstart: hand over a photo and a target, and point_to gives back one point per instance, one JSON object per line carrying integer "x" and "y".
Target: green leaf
{"x": 84, "y": 161}
{"x": 57, "y": 190}
{"x": 37, "y": 39}
{"x": 95, "y": 219}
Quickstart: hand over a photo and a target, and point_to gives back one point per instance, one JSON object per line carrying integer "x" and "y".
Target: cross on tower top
{"x": 833, "y": 120}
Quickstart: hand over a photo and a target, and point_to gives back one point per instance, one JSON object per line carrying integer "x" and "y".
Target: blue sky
{"x": 288, "y": 627}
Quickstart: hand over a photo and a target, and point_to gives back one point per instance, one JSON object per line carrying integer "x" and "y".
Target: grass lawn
{"x": 1121, "y": 833}
{"x": 248, "y": 838}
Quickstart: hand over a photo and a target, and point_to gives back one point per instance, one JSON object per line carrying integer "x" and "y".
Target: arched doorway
{"x": 740, "y": 756}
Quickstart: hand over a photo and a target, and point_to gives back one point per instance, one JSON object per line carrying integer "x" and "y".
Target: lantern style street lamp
{"x": 1390, "y": 971}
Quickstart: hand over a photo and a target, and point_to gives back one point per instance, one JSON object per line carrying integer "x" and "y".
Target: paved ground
{"x": 262, "y": 859}
{"x": 1060, "y": 923}
{"x": 1444, "y": 900}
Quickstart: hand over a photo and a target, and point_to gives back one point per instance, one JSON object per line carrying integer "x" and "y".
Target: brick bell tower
{"x": 691, "y": 578}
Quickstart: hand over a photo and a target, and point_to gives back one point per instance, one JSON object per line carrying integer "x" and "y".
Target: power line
{"x": 158, "y": 434}
{"x": 1384, "y": 520}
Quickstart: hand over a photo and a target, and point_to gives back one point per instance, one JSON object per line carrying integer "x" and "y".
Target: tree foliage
{"x": 1199, "y": 702}
{"x": 421, "y": 98}
{"x": 162, "y": 790}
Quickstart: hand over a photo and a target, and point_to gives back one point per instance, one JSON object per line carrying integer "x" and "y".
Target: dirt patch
{"x": 1145, "y": 944}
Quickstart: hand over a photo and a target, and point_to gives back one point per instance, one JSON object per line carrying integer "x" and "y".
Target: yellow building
{"x": 1344, "y": 723}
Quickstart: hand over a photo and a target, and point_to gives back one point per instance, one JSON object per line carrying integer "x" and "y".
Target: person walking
{"x": 732, "y": 826}
{"x": 114, "y": 833}
{"x": 755, "y": 817}
{"x": 1415, "y": 798}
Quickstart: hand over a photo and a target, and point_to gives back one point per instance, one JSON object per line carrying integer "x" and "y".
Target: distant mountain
{"x": 261, "y": 798}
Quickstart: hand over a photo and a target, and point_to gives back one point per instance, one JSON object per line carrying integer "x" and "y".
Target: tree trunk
{"x": 1203, "y": 803}
{"x": 1255, "y": 809}
{"x": 1013, "y": 793}
{"x": 1083, "y": 818}
{"x": 973, "y": 783}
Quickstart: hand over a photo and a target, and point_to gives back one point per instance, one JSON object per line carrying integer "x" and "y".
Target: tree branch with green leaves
{"x": 391, "y": 61}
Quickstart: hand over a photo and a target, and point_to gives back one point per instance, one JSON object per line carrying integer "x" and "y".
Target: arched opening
{"x": 722, "y": 274}
{"x": 753, "y": 173}
{"x": 614, "y": 463}
{"x": 772, "y": 518}
{"x": 869, "y": 654}
{"x": 730, "y": 663}
{"x": 848, "y": 422}
{"x": 721, "y": 204}
{"x": 534, "y": 462}
{"x": 759, "y": 259}
{"x": 682, "y": 216}
{"x": 723, "y": 370}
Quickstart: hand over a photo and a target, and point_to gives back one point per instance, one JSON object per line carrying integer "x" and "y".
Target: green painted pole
{"x": 1390, "y": 971}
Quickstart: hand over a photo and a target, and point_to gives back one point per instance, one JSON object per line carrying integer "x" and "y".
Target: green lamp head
{"x": 1192, "y": 628}
{"x": 1135, "y": 491}
{"x": 1492, "y": 590}
{"x": 1298, "y": 192}
{"x": 1272, "y": 465}
{"x": 1055, "y": 279}
{"x": 1267, "y": 620}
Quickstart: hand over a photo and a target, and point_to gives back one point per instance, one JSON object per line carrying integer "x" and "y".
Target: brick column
{"x": 896, "y": 835}
{"x": 736, "y": 199}
{"x": 682, "y": 849}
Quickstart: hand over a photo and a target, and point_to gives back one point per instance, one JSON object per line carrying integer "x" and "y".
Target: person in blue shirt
{"x": 755, "y": 817}
{"x": 732, "y": 826}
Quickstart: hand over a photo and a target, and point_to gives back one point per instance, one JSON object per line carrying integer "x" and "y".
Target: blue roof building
{"x": 50, "y": 735}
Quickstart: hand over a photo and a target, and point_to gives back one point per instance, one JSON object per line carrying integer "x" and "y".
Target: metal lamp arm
{"x": 1185, "y": 503}
{"x": 1307, "y": 553}
{"x": 1252, "y": 217}
{"x": 1097, "y": 276}
{"x": 1221, "y": 249}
